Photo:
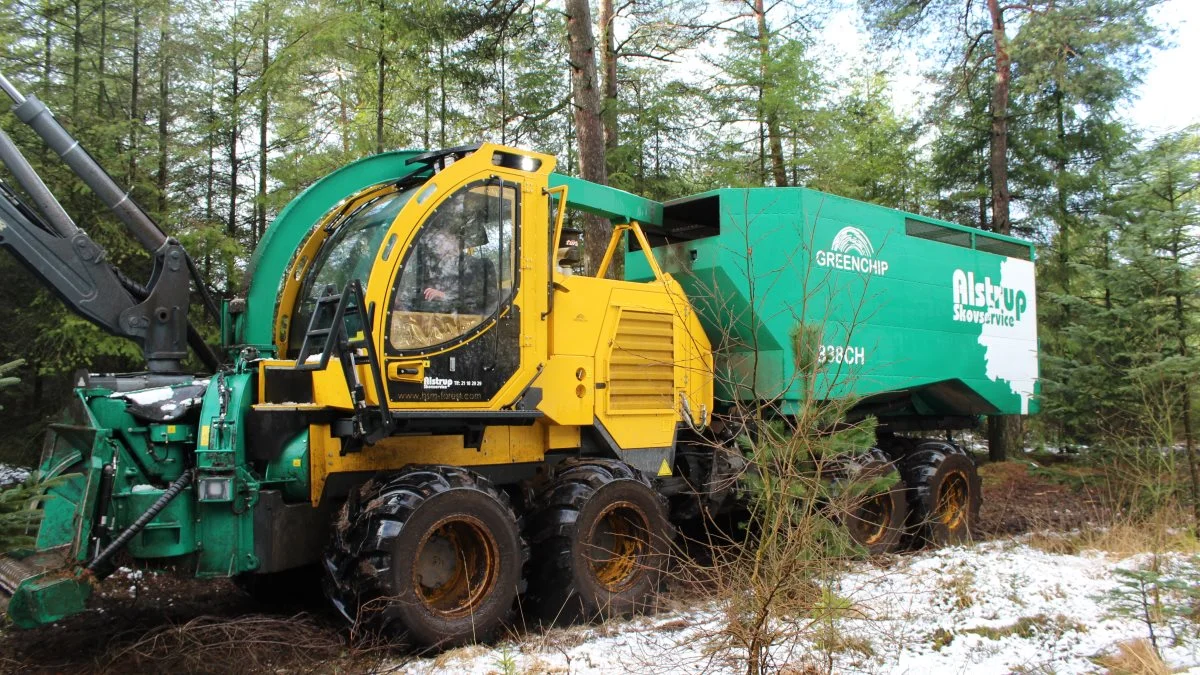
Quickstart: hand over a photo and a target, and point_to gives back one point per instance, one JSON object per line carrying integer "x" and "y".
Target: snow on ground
{"x": 12, "y": 474}
{"x": 997, "y": 607}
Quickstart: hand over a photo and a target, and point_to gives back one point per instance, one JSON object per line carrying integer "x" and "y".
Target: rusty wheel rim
{"x": 876, "y": 516}
{"x": 456, "y": 566}
{"x": 617, "y": 545}
{"x": 953, "y": 500}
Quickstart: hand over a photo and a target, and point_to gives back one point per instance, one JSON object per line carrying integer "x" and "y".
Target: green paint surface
{"x": 608, "y": 202}
{"x": 890, "y": 310}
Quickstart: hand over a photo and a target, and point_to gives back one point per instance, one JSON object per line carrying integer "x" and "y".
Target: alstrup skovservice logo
{"x": 986, "y": 302}
{"x": 853, "y": 252}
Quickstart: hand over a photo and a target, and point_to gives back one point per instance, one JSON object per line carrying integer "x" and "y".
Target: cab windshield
{"x": 347, "y": 255}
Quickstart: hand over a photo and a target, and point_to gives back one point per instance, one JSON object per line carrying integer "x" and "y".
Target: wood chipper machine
{"x": 415, "y": 399}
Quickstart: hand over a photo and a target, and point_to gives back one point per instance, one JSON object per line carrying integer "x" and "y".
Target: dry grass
{"x": 249, "y": 644}
{"x": 1163, "y": 530}
{"x": 1134, "y": 657}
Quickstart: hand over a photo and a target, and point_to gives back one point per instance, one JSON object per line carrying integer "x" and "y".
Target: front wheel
{"x": 434, "y": 551}
{"x": 602, "y": 540}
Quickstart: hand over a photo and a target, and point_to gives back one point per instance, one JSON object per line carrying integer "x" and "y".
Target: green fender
{"x": 289, "y": 230}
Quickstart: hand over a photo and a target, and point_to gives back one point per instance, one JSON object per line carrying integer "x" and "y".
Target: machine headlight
{"x": 216, "y": 489}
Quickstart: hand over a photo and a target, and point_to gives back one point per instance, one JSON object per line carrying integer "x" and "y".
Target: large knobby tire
{"x": 944, "y": 493}
{"x": 601, "y": 539}
{"x": 875, "y": 518}
{"x": 434, "y": 552}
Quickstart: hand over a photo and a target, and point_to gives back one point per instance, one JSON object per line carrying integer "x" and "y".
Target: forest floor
{"x": 1034, "y": 596}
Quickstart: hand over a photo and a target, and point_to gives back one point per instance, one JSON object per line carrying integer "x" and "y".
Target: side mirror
{"x": 568, "y": 256}
{"x": 569, "y": 253}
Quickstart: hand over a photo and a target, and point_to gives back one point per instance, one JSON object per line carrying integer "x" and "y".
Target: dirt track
{"x": 132, "y": 608}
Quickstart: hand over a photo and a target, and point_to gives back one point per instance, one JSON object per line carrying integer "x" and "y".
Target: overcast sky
{"x": 1170, "y": 95}
{"x": 1168, "y": 99}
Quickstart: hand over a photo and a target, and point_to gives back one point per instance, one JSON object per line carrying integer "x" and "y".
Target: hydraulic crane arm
{"x": 74, "y": 266}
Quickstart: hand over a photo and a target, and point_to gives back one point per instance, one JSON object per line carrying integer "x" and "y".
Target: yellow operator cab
{"x": 486, "y": 353}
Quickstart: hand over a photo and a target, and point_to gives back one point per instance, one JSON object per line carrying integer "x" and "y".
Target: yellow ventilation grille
{"x": 641, "y": 374}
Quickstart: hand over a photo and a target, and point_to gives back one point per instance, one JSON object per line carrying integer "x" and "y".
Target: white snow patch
{"x": 146, "y": 396}
{"x": 916, "y": 615}
{"x": 12, "y": 474}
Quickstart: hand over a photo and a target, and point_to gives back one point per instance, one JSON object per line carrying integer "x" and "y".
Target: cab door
{"x": 453, "y": 325}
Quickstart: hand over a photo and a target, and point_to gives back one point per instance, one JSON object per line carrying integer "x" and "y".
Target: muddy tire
{"x": 944, "y": 493}
{"x": 875, "y": 519}
{"x": 434, "y": 552}
{"x": 601, "y": 539}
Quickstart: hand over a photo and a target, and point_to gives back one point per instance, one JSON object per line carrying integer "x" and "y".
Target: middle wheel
{"x": 874, "y": 518}
{"x": 601, "y": 541}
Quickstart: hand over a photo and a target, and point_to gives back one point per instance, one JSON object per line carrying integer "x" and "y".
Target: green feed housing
{"x": 910, "y": 316}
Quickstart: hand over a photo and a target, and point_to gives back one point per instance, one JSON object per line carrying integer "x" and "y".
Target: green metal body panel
{"x": 897, "y": 302}
{"x": 48, "y": 597}
{"x": 290, "y": 471}
{"x": 601, "y": 200}
{"x": 225, "y": 530}
{"x": 75, "y": 449}
{"x": 288, "y": 231}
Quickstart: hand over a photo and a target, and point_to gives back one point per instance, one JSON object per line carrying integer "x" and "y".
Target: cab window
{"x": 461, "y": 269}
{"x": 346, "y": 255}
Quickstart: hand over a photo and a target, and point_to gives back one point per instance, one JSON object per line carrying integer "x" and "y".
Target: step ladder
{"x": 341, "y": 326}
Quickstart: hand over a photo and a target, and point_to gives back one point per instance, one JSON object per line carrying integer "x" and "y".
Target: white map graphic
{"x": 1011, "y": 351}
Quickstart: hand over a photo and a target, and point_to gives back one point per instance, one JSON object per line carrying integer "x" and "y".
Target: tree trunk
{"x": 503, "y": 46}
{"x": 164, "y": 106}
{"x": 231, "y": 224}
{"x": 260, "y": 207}
{"x": 771, "y": 116}
{"x": 441, "y": 93}
{"x": 998, "y": 160}
{"x": 1004, "y": 432}
{"x": 608, "y": 59}
{"x": 100, "y": 59}
{"x": 135, "y": 84}
{"x": 1060, "y": 190}
{"x": 1182, "y": 334}
{"x": 210, "y": 176}
{"x": 380, "y": 83}
{"x": 76, "y": 59}
{"x": 589, "y": 127}
{"x": 47, "y": 47}
{"x": 343, "y": 113}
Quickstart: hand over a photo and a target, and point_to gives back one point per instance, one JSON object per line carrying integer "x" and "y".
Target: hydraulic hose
{"x": 161, "y": 503}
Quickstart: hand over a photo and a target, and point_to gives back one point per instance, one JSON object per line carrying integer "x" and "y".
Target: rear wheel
{"x": 434, "y": 551}
{"x": 602, "y": 540}
{"x": 873, "y": 515}
{"x": 944, "y": 493}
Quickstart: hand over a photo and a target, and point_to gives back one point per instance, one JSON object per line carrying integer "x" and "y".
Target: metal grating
{"x": 641, "y": 371}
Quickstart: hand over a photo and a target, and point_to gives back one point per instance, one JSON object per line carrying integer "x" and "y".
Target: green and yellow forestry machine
{"x": 416, "y": 397}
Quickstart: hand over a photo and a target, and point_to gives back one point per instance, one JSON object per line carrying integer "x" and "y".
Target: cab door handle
{"x": 407, "y": 371}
